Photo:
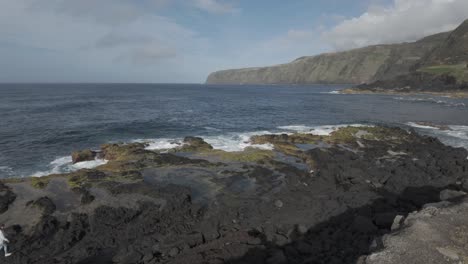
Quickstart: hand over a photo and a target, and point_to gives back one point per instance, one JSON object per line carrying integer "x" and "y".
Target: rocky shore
{"x": 415, "y": 83}
{"x": 347, "y": 197}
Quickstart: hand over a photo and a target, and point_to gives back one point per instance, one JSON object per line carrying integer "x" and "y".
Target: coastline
{"x": 454, "y": 94}
{"x": 200, "y": 204}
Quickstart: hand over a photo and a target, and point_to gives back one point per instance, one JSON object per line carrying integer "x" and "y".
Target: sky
{"x": 182, "y": 41}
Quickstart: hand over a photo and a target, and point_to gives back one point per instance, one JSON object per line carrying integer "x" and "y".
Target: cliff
{"x": 443, "y": 69}
{"x": 452, "y": 51}
{"x": 353, "y": 66}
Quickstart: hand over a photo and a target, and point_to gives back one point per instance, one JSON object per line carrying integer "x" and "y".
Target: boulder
{"x": 397, "y": 222}
{"x": 6, "y": 197}
{"x": 301, "y": 229}
{"x": 195, "y": 144}
{"x": 46, "y": 204}
{"x": 83, "y": 155}
{"x": 279, "y": 203}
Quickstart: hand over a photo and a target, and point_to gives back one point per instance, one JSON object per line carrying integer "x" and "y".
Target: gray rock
{"x": 448, "y": 253}
{"x": 279, "y": 203}
{"x": 173, "y": 252}
{"x": 397, "y": 222}
{"x": 427, "y": 240}
{"x": 442, "y": 204}
{"x": 447, "y": 195}
{"x": 301, "y": 229}
{"x": 281, "y": 240}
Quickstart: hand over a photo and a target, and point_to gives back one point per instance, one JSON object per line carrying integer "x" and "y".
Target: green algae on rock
{"x": 196, "y": 204}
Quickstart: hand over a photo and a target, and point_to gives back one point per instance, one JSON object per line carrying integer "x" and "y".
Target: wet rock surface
{"x": 84, "y": 155}
{"x": 196, "y": 204}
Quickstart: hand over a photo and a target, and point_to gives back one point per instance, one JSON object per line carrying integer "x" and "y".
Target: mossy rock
{"x": 270, "y": 139}
{"x": 192, "y": 144}
{"x": 349, "y": 135}
{"x": 288, "y": 149}
{"x": 124, "y": 151}
{"x": 85, "y": 177}
{"x": 118, "y": 166}
{"x": 248, "y": 155}
{"x": 83, "y": 155}
{"x": 40, "y": 182}
{"x": 45, "y": 204}
{"x": 297, "y": 138}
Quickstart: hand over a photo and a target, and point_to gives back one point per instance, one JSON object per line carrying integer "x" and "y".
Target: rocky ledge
{"x": 415, "y": 83}
{"x": 343, "y": 198}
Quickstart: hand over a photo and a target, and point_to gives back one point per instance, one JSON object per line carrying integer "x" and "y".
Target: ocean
{"x": 41, "y": 124}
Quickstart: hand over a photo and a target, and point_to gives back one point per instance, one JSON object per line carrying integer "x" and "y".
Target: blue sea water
{"x": 41, "y": 124}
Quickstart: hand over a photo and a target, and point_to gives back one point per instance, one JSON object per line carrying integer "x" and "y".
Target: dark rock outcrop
{"x": 6, "y": 197}
{"x": 330, "y": 203}
{"x": 436, "y": 234}
{"x": 417, "y": 82}
{"x": 83, "y": 155}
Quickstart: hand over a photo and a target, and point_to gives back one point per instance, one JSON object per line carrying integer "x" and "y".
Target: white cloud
{"x": 215, "y": 6}
{"x": 42, "y": 36}
{"x": 403, "y": 20}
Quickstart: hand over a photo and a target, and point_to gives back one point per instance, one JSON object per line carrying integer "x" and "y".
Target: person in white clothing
{"x": 3, "y": 241}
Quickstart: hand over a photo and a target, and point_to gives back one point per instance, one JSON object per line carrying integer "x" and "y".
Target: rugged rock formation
{"x": 444, "y": 69}
{"x": 452, "y": 51}
{"x": 436, "y": 234}
{"x": 83, "y": 155}
{"x": 313, "y": 199}
{"x": 406, "y": 65}
{"x": 413, "y": 83}
{"x": 347, "y": 67}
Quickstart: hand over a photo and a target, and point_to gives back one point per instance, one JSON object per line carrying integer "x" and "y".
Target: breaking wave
{"x": 65, "y": 165}
{"x": 453, "y": 135}
{"x": 447, "y": 103}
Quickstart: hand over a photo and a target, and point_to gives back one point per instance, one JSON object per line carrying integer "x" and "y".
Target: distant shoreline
{"x": 454, "y": 94}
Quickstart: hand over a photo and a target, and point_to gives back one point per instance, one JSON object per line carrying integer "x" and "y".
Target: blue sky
{"x": 185, "y": 40}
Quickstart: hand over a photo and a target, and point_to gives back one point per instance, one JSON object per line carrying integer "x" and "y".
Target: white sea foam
{"x": 240, "y": 141}
{"x": 236, "y": 141}
{"x": 89, "y": 164}
{"x": 65, "y": 165}
{"x": 6, "y": 171}
{"x": 456, "y": 135}
{"x": 212, "y": 128}
{"x": 161, "y": 143}
{"x": 319, "y": 130}
{"x": 447, "y": 103}
{"x": 297, "y": 128}
{"x": 227, "y": 142}
{"x": 421, "y": 126}
{"x": 5, "y": 168}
